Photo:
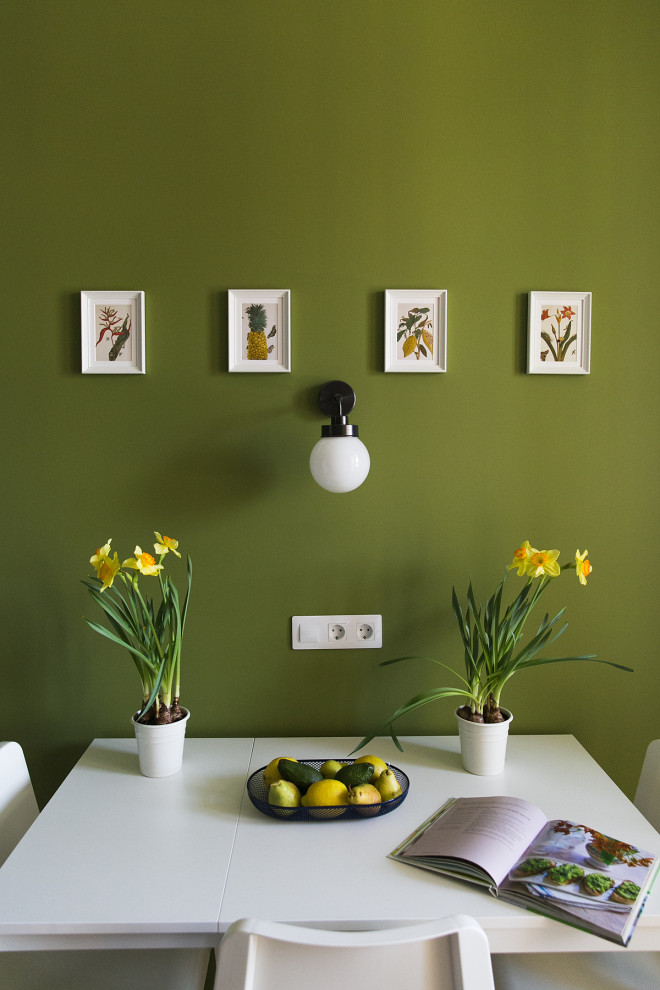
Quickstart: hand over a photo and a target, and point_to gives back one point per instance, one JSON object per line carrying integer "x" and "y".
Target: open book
{"x": 560, "y": 869}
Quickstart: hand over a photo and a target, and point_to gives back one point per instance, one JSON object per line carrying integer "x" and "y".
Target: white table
{"x": 336, "y": 874}
{"x": 119, "y": 860}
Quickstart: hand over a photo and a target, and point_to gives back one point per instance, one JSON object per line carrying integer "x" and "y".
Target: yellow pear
{"x": 284, "y": 797}
{"x": 365, "y": 798}
{"x": 388, "y": 786}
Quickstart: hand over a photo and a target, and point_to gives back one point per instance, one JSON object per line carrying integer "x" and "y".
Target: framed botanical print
{"x": 416, "y": 330}
{"x": 260, "y": 330}
{"x": 112, "y": 332}
{"x": 559, "y": 333}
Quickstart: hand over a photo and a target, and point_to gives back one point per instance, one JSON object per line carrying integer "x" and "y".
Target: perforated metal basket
{"x": 258, "y": 793}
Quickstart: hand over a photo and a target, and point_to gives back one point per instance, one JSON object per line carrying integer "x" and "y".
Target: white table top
{"x": 336, "y": 873}
{"x": 117, "y": 859}
{"x": 116, "y": 854}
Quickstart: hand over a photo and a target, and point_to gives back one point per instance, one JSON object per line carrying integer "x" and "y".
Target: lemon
{"x": 331, "y": 768}
{"x": 378, "y": 765}
{"x": 329, "y": 796}
{"x": 272, "y": 773}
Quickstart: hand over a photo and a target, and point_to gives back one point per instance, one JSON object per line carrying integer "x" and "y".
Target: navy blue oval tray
{"x": 258, "y": 793}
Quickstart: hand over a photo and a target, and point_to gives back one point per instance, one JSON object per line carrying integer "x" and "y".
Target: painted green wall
{"x": 336, "y": 148}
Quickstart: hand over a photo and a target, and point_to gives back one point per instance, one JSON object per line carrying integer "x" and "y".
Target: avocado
{"x": 354, "y": 774}
{"x": 300, "y": 774}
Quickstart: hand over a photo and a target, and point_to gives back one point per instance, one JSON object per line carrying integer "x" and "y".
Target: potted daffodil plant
{"x": 494, "y": 650}
{"x": 151, "y": 629}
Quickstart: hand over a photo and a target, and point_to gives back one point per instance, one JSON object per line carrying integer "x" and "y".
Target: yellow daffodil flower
{"x": 521, "y": 558}
{"x": 107, "y": 571}
{"x": 165, "y": 544}
{"x": 583, "y": 566}
{"x": 101, "y": 554}
{"x": 543, "y": 562}
{"x": 144, "y": 563}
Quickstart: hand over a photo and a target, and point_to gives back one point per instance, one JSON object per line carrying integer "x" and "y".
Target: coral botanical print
{"x": 558, "y": 333}
{"x": 414, "y": 333}
{"x": 257, "y": 346}
{"x": 113, "y": 332}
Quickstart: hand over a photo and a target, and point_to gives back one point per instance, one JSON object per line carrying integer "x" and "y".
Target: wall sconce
{"x": 339, "y": 461}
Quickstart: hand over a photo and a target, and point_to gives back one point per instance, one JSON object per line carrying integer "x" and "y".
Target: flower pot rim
{"x": 507, "y": 711}
{"x": 164, "y": 725}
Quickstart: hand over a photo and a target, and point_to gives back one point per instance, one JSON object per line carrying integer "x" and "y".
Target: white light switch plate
{"x": 337, "y": 632}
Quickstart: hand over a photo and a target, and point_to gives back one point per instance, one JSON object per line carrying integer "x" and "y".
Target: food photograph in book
{"x": 591, "y": 874}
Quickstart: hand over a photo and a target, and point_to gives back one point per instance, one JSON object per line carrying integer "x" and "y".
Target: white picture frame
{"x": 416, "y": 330}
{"x": 112, "y": 332}
{"x": 559, "y": 333}
{"x": 266, "y": 313}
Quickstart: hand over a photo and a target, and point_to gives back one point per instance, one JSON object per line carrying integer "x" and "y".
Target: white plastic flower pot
{"x": 483, "y": 744}
{"x": 160, "y": 747}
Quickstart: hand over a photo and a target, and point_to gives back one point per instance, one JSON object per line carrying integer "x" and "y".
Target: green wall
{"x": 336, "y": 148}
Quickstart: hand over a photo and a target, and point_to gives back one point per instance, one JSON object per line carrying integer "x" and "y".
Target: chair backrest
{"x": 647, "y": 797}
{"x": 447, "y": 954}
{"x": 18, "y": 805}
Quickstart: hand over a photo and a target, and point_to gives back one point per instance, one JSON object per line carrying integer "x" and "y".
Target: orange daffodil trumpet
{"x": 544, "y": 562}
{"x": 521, "y": 558}
{"x": 534, "y": 563}
{"x": 152, "y": 632}
{"x": 106, "y": 567}
{"x": 107, "y": 572}
{"x": 493, "y": 645}
{"x": 101, "y": 554}
{"x": 583, "y": 566}
{"x": 165, "y": 544}
{"x": 144, "y": 563}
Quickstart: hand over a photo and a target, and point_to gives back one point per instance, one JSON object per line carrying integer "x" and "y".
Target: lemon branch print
{"x": 416, "y": 331}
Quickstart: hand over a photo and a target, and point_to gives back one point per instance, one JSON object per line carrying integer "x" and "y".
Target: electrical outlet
{"x": 336, "y": 632}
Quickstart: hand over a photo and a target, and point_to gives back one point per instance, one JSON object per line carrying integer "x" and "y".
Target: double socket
{"x": 336, "y": 632}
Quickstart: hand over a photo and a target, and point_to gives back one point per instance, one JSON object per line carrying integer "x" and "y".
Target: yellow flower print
{"x": 101, "y": 554}
{"x": 165, "y": 544}
{"x": 521, "y": 558}
{"x": 144, "y": 563}
{"x": 543, "y": 562}
{"x": 583, "y": 566}
{"x": 107, "y": 571}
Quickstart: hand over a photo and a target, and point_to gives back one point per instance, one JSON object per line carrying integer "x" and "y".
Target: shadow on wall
{"x": 522, "y": 310}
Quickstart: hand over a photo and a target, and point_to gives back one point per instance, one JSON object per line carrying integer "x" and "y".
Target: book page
{"x": 492, "y": 832}
{"x": 573, "y": 872}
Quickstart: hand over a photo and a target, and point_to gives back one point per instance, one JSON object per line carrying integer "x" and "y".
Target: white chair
{"x": 647, "y": 796}
{"x": 627, "y": 970}
{"x": 89, "y": 969}
{"x": 448, "y": 954}
{"x": 18, "y": 805}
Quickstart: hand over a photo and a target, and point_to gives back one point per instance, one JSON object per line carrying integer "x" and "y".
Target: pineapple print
{"x": 257, "y": 348}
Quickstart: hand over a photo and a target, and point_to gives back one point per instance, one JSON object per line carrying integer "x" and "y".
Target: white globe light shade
{"x": 339, "y": 464}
